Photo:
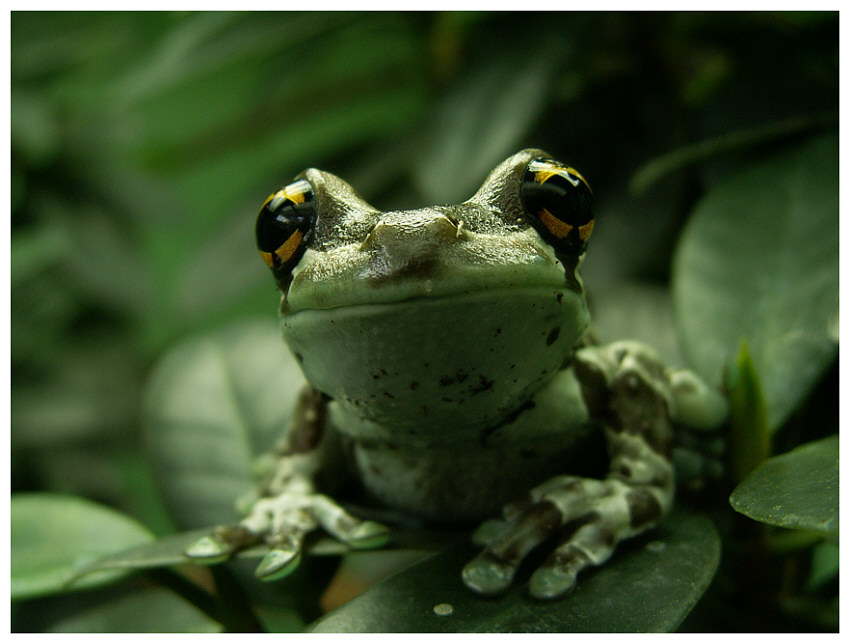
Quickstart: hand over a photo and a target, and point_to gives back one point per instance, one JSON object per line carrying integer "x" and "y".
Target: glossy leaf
{"x": 649, "y": 585}
{"x": 212, "y": 405}
{"x": 825, "y": 564}
{"x": 760, "y": 259}
{"x": 479, "y": 124}
{"x": 657, "y": 168}
{"x": 154, "y": 610}
{"x": 650, "y": 319}
{"x": 168, "y": 551}
{"x": 799, "y": 489}
{"x": 54, "y": 536}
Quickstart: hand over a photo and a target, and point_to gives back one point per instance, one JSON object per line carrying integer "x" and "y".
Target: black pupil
{"x": 570, "y": 203}
{"x": 275, "y": 228}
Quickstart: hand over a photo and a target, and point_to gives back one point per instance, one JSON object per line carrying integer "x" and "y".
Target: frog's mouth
{"x": 350, "y": 277}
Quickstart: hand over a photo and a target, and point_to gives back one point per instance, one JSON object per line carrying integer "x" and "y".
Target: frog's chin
{"x": 462, "y": 360}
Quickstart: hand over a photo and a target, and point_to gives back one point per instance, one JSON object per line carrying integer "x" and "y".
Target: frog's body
{"x": 448, "y": 341}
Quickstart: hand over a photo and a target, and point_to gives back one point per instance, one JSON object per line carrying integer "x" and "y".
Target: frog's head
{"x": 440, "y": 316}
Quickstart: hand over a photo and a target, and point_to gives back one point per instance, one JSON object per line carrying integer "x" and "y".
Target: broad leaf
{"x": 650, "y": 584}
{"x": 154, "y": 610}
{"x": 212, "y": 405}
{"x": 169, "y": 550}
{"x": 661, "y": 166}
{"x": 55, "y": 536}
{"x": 799, "y": 489}
{"x": 479, "y": 124}
{"x": 760, "y": 259}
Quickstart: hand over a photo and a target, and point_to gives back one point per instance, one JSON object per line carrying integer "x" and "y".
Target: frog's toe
{"x": 284, "y": 554}
{"x": 592, "y": 543}
{"x": 488, "y": 576}
{"x": 558, "y": 575}
{"x": 493, "y": 570}
{"x": 220, "y": 544}
{"x": 279, "y": 562}
{"x": 352, "y": 531}
{"x": 489, "y": 531}
{"x": 367, "y": 535}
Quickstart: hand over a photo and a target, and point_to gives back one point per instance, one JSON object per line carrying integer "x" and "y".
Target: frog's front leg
{"x": 628, "y": 391}
{"x": 289, "y": 505}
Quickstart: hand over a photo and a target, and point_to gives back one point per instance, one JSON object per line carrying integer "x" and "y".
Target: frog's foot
{"x": 282, "y": 522}
{"x": 586, "y": 517}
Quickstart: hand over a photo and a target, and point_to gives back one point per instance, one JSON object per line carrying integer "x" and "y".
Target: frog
{"x": 452, "y": 376}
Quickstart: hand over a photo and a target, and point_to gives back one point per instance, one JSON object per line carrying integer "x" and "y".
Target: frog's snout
{"x": 412, "y": 231}
{"x": 410, "y": 244}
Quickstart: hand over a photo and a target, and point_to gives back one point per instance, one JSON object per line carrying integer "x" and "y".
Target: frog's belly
{"x": 471, "y": 482}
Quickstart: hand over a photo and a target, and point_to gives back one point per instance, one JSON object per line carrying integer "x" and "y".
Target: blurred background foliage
{"x": 144, "y": 143}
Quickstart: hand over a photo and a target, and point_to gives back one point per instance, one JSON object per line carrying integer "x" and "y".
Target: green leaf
{"x": 168, "y": 551}
{"x": 760, "y": 259}
{"x": 799, "y": 489}
{"x": 54, "y": 536}
{"x": 154, "y": 610}
{"x": 35, "y": 249}
{"x": 750, "y": 438}
{"x": 682, "y": 157}
{"x": 479, "y": 124}
{"x": 650, "y": 584}
{"x": 211, "y": 405}
{"x": 35, "y": 127}
{"x": 650, "y": 319}
{"x": 824, "y": 566}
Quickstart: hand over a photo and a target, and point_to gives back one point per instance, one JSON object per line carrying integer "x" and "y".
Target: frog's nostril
{"x": 415, "y": 228}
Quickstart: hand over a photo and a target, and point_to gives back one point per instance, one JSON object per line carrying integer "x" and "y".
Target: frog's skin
{"x": 448, "y": 346}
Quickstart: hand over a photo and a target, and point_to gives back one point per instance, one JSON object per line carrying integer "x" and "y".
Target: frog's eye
{"x": 284, "y": 227}
{"x": 558, "y": 204}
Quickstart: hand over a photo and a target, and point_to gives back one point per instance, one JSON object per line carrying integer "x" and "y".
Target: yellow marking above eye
{"x": 268, "y": 199}
{"x": 576, "y": 173}
{"x": 571, "y": 174}
{"x": 295, "y": 197}
{"x": 542, "y": 175}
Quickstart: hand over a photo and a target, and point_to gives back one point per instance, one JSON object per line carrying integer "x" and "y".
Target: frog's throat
{"x": 460, "y": 360}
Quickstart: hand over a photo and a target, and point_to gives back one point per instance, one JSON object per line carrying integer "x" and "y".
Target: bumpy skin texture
{"x": 448, "y": 346}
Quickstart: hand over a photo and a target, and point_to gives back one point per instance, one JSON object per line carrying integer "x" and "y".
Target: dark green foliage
{"x": 143, "y": 145}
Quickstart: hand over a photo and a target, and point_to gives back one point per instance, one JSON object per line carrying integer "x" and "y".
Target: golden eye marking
{"x": 267, "y": 258}
{"x": 585, "y": 230}
{"x": 542, "y": 175}
{"x": 569, "y": 173}
{"x": 576, "y": 174}
{"x": 268, "y": 199}
{"x": 555, "y": 225}
{"x": 295, "y": 197}
{"x": 285, "y": 251}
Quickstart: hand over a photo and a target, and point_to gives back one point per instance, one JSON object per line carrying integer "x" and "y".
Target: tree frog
{"x": 449, "y": 368}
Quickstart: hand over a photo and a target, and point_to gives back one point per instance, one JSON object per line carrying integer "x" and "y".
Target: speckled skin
{"x": 447, "y": 344}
